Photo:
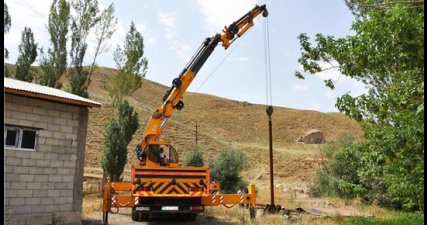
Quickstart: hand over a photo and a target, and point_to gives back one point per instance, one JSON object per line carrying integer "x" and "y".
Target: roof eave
{"x": 50, "y": 97}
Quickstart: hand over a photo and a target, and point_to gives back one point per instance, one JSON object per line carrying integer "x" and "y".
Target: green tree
{"x": 7, "y": 25}
{"x": 7, "y": 19}
{"x": 339, "y": 176}
{"x": 226, "y": 170}
{"x": 386, "y": 52}
{"x": 194, "y": 156}
{"x": 53, "y": 65}
{"x": 7, "y": 72}
{"x": 84, "y": 18}
{"x": 131, "y": 66}
{"x": 103, "y": 30}
{"x": 118, "y": 134}
{"x": 27, "y": 55}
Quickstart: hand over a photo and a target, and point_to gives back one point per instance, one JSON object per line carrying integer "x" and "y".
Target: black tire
{"x": 135, "y": 215}
{"x": 192, "y": 216}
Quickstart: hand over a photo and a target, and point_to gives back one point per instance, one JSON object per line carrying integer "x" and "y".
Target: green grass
{"x": 399, "y": 219}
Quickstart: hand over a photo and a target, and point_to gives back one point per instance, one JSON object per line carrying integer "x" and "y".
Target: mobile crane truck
{"x": 157, "y": 186}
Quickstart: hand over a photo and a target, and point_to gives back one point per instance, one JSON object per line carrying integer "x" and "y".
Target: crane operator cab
{"x": 157, "y": 155}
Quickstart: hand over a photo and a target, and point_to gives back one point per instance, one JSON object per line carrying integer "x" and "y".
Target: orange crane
{"x": 164, "y": 186}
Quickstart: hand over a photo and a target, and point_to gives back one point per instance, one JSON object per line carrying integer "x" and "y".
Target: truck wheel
{"x": 144, "y": 216}
{"x": 192, "y": 216}
{"x": 135, "y": 215}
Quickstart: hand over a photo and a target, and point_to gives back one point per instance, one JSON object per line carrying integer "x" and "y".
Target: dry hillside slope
{"x": 222, "y": 123}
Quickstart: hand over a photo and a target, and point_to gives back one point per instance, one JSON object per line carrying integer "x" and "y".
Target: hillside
{"x": 222, "y": 123}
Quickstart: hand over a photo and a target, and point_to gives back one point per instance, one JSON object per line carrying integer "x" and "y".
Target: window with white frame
{"x": 20, "y": 137}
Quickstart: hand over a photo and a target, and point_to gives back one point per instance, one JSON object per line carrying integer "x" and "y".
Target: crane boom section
{"x": 174, "y": 95}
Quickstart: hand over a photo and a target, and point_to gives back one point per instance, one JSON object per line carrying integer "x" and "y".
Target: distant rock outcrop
{"x": 312, "y": 137}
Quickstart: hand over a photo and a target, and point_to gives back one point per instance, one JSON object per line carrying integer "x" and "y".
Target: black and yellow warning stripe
{"x": 170, "y": 181}
{"x": 171, "y": 188}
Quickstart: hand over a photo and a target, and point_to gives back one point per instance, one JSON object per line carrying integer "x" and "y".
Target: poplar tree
{"x": 7, "y": 25}
{"x": 53, "y": 65}
{"x": 131, "y": 66}
{"x": 104, "y": 29}
{"x": 123, "y": 123}
{"x": 84, "y": 19}
{"x": 27, "y": 56}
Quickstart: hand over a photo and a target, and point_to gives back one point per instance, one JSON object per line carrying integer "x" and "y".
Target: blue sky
{"x": 173, "y": 30}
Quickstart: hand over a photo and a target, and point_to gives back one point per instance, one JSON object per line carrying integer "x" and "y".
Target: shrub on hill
{"x": 226, "y": 169}
{"x": 194, "y": 156}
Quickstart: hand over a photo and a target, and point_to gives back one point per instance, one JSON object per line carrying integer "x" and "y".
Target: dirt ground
{"x": 124, "y": 217}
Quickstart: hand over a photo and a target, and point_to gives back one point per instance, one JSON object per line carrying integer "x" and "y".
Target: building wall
{"x": 48, "y": 181}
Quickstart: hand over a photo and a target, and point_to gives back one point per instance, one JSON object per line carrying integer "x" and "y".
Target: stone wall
{"x": 47, "y": 181}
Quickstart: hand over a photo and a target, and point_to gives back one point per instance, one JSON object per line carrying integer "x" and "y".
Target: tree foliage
{"x": 126, "y": 81}
{"x": 194, "y": 156}
{"x": 7, "y": 20}
{"x": 27, "y": 55}
{"x": 131, "y": 66}
{"x": 54, "y": 64}
{"x": 7, "y": 24}
{"x": 84, "y": 18}
{"x": 339, "y": 176}
{"x": 226, "y": 169}
{"x": 104, "y": 29}
{"x": 386, "y": 53}
{"x": 118, "y": 134}
{"x": 7, "y": 73}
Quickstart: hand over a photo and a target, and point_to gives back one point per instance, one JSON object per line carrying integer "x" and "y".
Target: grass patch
{"x": 399, "y": 219}
{"x": 91, "y": 204}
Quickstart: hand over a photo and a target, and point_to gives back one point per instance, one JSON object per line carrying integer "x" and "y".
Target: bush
{"x": 226, "y": 170}
{"x": 340, "y": 176}
{"x": 375, "y": 175}
{"x": 194, "y": 156}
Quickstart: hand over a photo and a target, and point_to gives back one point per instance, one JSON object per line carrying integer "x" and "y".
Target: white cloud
{"x": 301, "y": 88}
{"x": 170, "y": 34}
{"x": 220, "y": 13}
{"x": 167, "y": 18}
{"x": 175, "y": 43}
